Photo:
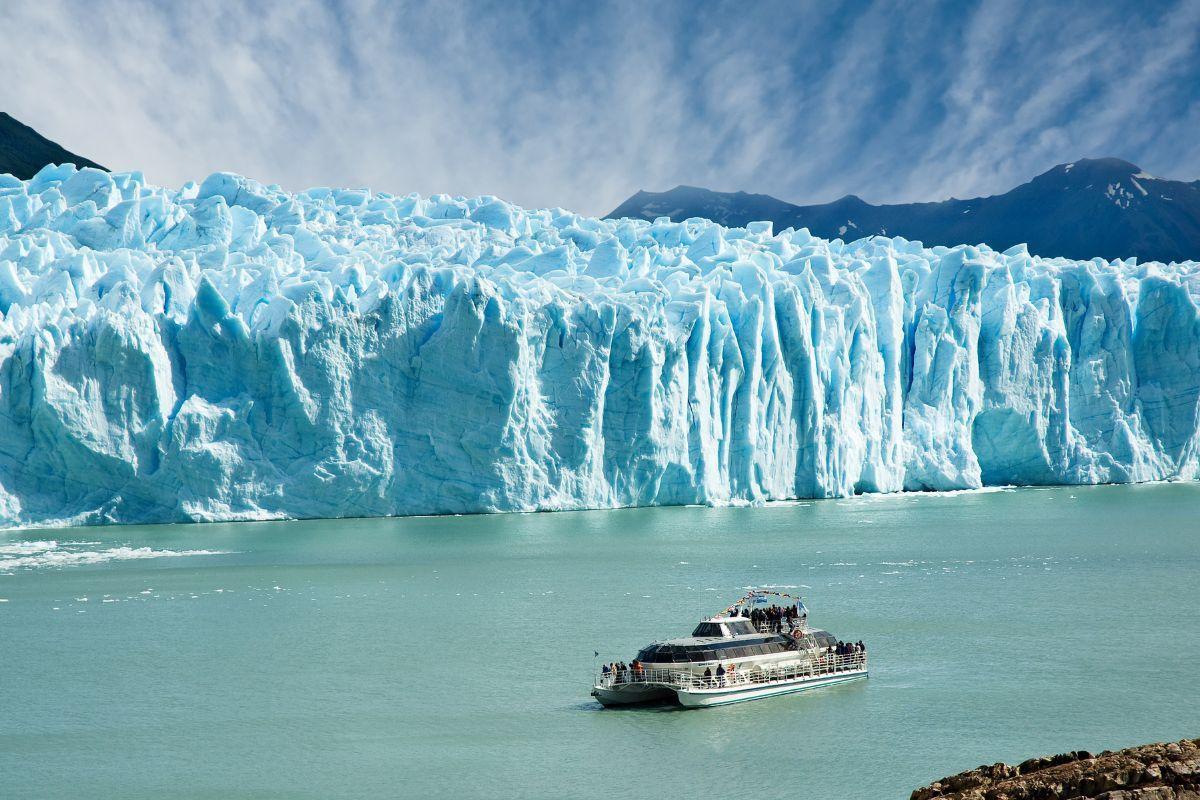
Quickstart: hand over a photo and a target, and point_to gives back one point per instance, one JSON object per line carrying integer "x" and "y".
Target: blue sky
{"x": 579, "y": 105}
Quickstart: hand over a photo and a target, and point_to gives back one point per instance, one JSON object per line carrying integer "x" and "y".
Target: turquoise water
{"x": 451, "y": 656}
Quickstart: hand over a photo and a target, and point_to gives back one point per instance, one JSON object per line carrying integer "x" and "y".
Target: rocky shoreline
{"x": 1163, "y": 771}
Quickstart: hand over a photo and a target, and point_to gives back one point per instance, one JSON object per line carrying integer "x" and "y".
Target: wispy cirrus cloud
{"x": 548, "y": 104}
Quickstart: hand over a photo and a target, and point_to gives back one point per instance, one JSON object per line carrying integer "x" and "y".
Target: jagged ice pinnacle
{"x": 233, "y": 351}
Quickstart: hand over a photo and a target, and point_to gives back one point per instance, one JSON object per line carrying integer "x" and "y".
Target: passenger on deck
{"x": 707, "y": 676}
{"x": 720, "y": 674}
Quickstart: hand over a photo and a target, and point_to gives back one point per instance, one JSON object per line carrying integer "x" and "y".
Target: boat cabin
{"x": 723, "y": 628}
{"x": 717, "y": 639}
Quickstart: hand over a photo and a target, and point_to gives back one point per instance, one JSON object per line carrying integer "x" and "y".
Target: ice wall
{"x": 233, "y": 351}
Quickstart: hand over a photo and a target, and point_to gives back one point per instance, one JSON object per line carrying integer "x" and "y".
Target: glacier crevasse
{"x": 230, "y": 350}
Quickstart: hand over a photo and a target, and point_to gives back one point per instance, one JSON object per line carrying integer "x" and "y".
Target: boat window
{"x": 741, "y": 627}
{"x": 708, "y": 629}
{"x": 824, "y": 638}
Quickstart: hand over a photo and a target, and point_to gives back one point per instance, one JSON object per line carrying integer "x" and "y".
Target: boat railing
{"x": 780, "y": 626}
{"x": 819, "y": 665}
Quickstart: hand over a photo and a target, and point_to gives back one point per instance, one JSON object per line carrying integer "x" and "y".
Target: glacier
{"x": 234, "y": 351}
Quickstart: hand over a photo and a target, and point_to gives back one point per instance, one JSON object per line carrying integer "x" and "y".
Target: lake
{"x": 452, "y": 656}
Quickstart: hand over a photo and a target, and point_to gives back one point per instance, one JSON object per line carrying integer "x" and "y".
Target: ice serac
{"x": 230, "y": 350}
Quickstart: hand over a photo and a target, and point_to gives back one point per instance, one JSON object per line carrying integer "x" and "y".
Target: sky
{"x": 579, "y": 105}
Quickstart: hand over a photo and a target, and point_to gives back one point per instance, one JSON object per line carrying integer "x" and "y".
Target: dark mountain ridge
{"x": 24, "y": 151}
{"x": 1102, "y": 207}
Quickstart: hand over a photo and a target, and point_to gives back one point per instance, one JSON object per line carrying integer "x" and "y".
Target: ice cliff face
{"x": 232, "y": 351}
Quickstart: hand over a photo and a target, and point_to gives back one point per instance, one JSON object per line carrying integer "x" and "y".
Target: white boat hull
{"x": 715, "y": 695}
{"x": 624, "y": 694}
{"x": 741, "y": 692}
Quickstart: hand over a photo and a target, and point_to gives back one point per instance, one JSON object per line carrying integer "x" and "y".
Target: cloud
{"x": 578, "y": 107}
{"x": 1039, "y": 87}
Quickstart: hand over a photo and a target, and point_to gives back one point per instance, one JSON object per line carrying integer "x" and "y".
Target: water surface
{"x": 451, "y": 656}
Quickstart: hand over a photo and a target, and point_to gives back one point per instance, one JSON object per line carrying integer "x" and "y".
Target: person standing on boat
{"x": 707, "y": 676}
{"x": 720, "y": 674}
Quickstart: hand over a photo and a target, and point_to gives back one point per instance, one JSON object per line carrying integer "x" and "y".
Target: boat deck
{"x": 685, "y": 680}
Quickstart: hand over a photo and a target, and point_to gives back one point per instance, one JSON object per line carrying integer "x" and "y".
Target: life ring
{"x": 797, "y": 634}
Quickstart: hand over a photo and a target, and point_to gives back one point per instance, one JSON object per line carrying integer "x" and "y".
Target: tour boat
{"x": 736, "y": 656}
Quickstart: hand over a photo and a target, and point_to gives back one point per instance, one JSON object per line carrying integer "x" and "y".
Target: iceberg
{"x": 233, "y": 351}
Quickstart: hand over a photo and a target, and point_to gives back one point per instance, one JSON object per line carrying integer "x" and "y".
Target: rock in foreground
{"x": 1150, "y": 772}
